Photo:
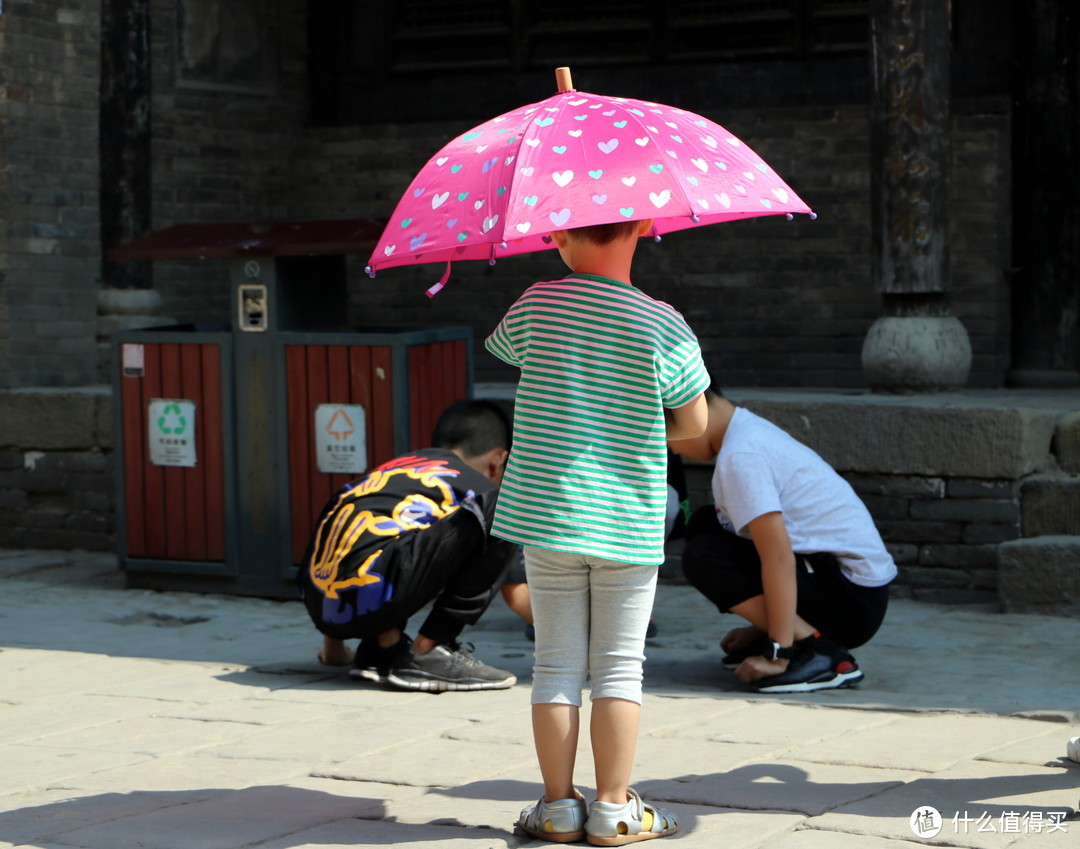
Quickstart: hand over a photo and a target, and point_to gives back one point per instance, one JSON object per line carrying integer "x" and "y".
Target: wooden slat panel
{"x": 175, "y": 535}
{"x": 318, "y": 386}
{"x": 339, "y": 384}
{"x": 382, "y": 404}
{"x": 213, "y": 452}
{"x": 135, "y": 458}
{"x": 416, "y": 360}
{"x": 436, "y": 390}
{"x": 154, "y": 492}
{"x": 299, "y": 424}
{"x": 360, "y": 391}
{"x": 194, "y": 509}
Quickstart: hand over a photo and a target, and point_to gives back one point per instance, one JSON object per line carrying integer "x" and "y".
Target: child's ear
{"x": 559, "y": 237}
{"x": 644, "y": 226}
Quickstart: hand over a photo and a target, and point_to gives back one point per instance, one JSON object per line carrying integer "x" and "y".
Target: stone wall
{"x": 49, "y": 192}
{"x": 228, "y": 98}
{"x": 57, "y": 487}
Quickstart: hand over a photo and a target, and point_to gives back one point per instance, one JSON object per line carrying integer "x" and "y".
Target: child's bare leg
{"x": 555, "y": 732}
{"x": 614, "y": 730}
{"x": 335, "y": 652}
{"x": 517, "y": 599}
{"x": 753, "y": 611}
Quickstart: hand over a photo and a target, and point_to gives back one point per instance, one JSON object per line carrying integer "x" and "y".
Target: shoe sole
{"x": 839, "y": 681}
{"x": 623, "y": 839}
{"x": 554, "y": 837}
{"x": 438, "y": 685}
{"x": 372, "y": 675}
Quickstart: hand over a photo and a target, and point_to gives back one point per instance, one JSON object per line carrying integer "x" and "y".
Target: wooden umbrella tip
{"x": 563, "y": 79}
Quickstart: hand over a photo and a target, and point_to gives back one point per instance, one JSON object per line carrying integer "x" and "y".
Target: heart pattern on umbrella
{"x": 573, "y": 160}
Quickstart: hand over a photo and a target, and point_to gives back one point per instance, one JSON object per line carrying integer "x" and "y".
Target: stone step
{"x": 1050, "y": 506}
{"x": 1067, "y": 442}
{"x": 1040, "y": 575}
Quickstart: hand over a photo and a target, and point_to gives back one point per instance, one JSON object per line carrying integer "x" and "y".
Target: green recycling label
{"x": 171, "y": 432}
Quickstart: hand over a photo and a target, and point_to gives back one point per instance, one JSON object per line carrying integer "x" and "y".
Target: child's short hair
{"x": 605, "y": 234}
{"x": 473, "y": 427}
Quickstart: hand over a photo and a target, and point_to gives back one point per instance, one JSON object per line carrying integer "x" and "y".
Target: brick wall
{"x": 228, "y": 84}
{"x": 775, "y": 303}
{"x": 49, "y": 124}
{"x": 56, "y": 481}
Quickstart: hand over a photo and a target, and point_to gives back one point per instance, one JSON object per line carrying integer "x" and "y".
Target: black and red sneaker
{"x": 819, "y": 664}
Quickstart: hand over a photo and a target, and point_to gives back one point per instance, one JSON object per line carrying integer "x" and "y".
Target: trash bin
{"x": 230, "y": 439}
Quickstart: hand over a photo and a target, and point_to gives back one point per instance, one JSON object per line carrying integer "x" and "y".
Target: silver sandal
{"x": 614, "y": 825}
{"x": 560, "y": 821}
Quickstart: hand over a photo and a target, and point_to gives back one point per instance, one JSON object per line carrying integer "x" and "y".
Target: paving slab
{"x": 973, "y": 798}
{"x": 1043, "y": 749}
{"x": 35, "y": 818}
{"x": 815, "y": 838}
{"x": 928, "y": 742}
{"x": 131, "y": 718}
{"x": 196, "y": 772}
{"x": 27, "y": 767}
{"x": 434, "y": 762}
{"x": 782, "y": 726}
{"x": 252, "y": 815}
{"x": 777, "y": 785}
{"x": 39, "y": 718}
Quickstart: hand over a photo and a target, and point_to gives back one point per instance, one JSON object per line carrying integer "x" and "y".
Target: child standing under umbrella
{"x": 608, "y": 375}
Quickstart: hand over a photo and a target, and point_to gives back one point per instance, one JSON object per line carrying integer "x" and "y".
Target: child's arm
{"x": 687, "y": 421}
{"x": 777, "y": 575}
{"x": 780, "y": 592}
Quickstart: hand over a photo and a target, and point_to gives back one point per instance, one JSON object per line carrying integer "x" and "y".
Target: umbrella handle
{"x": 563, "y": 79}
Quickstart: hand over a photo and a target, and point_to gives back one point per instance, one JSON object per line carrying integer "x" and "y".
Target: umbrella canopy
{"x": 574, "y": 160}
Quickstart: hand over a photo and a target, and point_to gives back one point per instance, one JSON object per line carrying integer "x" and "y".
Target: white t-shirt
{"x": 762, "y": 469}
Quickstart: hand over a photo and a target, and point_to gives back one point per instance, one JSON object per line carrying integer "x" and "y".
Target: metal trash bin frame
{"x": 302, "y": 288}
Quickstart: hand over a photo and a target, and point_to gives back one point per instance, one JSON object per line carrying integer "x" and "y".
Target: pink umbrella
{"x": 574, "y": 160}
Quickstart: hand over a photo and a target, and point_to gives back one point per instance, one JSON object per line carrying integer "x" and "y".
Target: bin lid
{"x": 237, "y": 239}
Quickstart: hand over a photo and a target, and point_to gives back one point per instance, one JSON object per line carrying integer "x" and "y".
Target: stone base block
{"x": 940, "y": 436}
{"x": 1067, "y": 442}
{"x": 1040, "y": 575}
{"x": 1050, "y": 506}
{"x": 43, "y": 419}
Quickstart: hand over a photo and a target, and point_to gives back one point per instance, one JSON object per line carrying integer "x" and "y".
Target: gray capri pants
{"x": 590, "y": 616}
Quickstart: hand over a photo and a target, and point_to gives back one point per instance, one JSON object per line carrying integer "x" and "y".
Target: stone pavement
{"x": 162, "y": 720}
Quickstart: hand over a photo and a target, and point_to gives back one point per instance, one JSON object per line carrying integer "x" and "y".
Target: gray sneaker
{"x": 447, "y": 667}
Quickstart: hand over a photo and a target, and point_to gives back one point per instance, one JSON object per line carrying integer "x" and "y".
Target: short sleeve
{"x": 507, "y": 341}
{"x": 745, "y": 488}
{"x": 682, "y": 372}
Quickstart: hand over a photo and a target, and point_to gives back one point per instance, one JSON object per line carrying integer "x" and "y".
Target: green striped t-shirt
{"x": 599, "y": 361}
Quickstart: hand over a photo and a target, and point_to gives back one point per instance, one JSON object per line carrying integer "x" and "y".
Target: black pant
{"x": 454, "y": 563}
{"x": 726, "y": 569}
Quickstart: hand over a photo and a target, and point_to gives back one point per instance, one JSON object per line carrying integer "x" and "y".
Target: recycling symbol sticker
{"x": 171, "y": 432}
{"x": 172, "y": 420}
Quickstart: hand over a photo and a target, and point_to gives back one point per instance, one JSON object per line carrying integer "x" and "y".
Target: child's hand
{"x": 756, "y": 668}
{"x": 739, "y": 638}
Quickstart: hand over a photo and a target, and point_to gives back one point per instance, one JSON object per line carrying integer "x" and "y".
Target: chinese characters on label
{"x": 926, "y": 822}
{"x": 171, "y": 432}
{"x": 340, "y": 439}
